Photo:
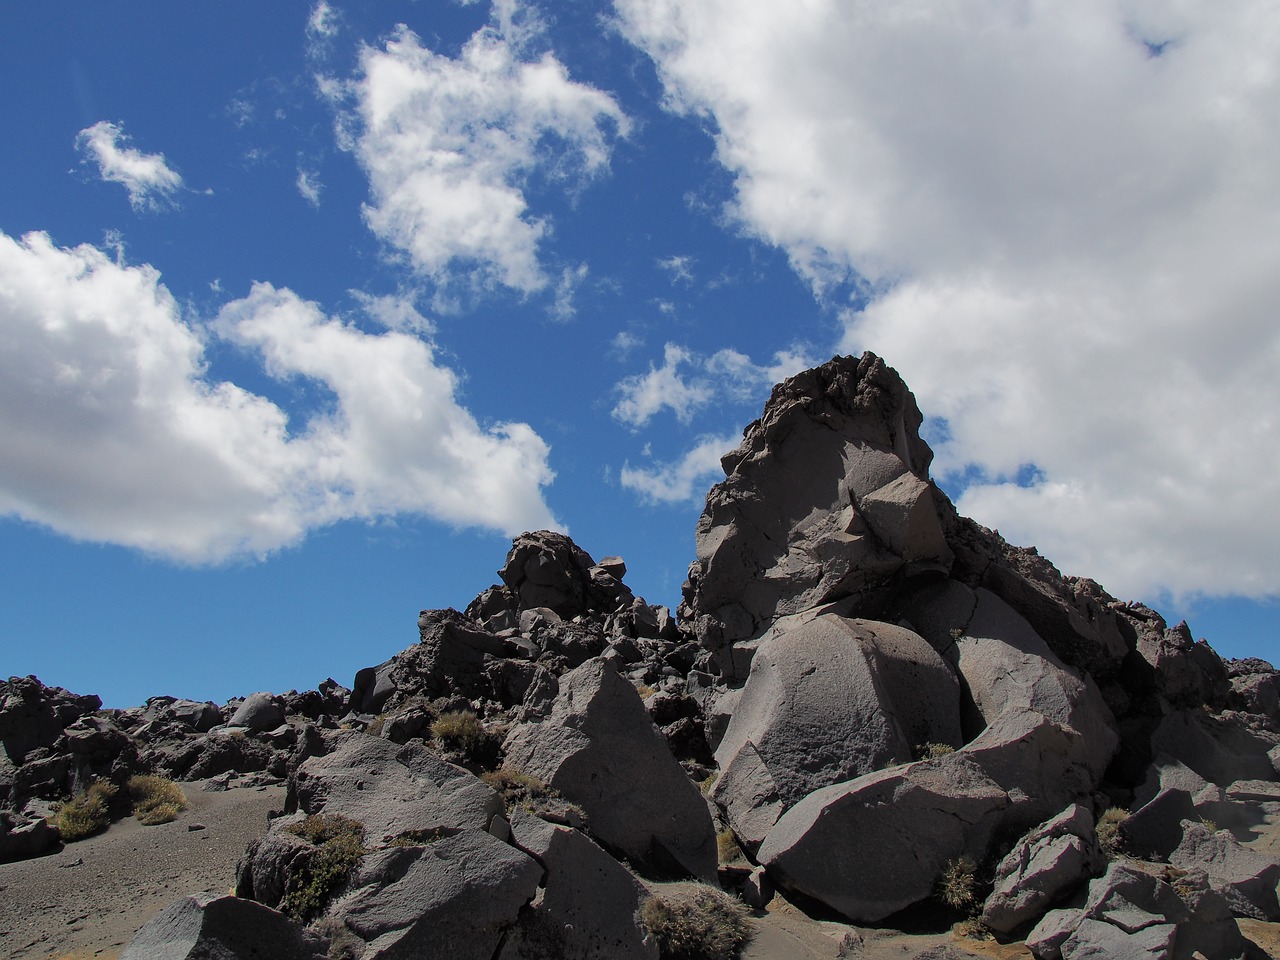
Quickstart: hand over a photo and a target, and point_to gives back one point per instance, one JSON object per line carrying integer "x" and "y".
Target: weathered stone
{"x": 590, "y": 905}
{"x": 1154, "y": 830}
{"x": 598, "y": 748}
{"x": 1132, "y": 914}
{"x": 22, "y": 837}
{"x": 1047, "y": 937}
{"x": 785, "y": 532}
{"x": 450, "y": 900}
{"x": 875, "y": 845}
{"x": 1045, "y": 865}
{"x": 1187, "y": 673}
{"x": 1245, "y": 878}
{"x": 392, "y": 788}
{"x": 829, "y": 699}
{"x": 212, "y": 927}
{"x": 1211, "y": 748}
{"x": 33, "y": 715}
{"x": 258, "y": 712}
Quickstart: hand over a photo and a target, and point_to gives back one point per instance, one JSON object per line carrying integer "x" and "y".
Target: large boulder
{"x": 829, "y": 699}
{"x": 589, "y": 906}
{"x": 258, "y": 712}
{"x": 452, "y": 899}
{"x": 1047, "y": 864}
{"x": 1133, "y": 914}
{"x": 1246, "y": 878}
{"x": 209, "y": 926}
{"x": 33, "y": 715}
{"x": 827, "y": 497}
{"x": 599, "y": 749}
{"x": 547, "y": 569}
{"x": 873, "y": 846}
{"x": 392, "y": 789}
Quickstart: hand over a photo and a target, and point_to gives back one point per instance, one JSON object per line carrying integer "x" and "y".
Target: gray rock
{"x": 258, "y": 712}
{"x": 450, "y": 900}
{"x": 590, "y": 905}
{"x": 1211, "y": 748}
{"x": 1132, "y": 914}
{"x": 1155, "y": 829}
{"x": 1047, "y": 937}
{"x": 875, "y": 845}
{"x": 200, "y": 717}
{"x": 829, "y": 699}
{"x": 598, "y": 748}
{"x": 1246, "y": 878}
{"x": 372, "y": 688}
{"x": 22, "y": 837}
{"x": 393, "y": 788}
{"x": 209, "y": 926}
{"x": 1047, "y": 864}
{"x": 786, "y": 530}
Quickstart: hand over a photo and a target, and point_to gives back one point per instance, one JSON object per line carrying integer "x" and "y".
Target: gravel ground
{"x": 91, "y": 898}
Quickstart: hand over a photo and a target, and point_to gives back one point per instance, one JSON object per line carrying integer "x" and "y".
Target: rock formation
{"x": 873, "y": 692}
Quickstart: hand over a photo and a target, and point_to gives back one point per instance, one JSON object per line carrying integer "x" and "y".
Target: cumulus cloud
{"x": 147, "y": 176}
{"x": 451, "y": 146}
{"x": 113, "y": 432}
{"x": 685, "y": 479}
{"x": 1062, "y": 222}
{"x": 725, "y": 374}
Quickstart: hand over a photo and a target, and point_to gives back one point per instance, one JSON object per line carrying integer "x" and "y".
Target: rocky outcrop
{"x": 598, "y": 748}
{"x": 1046, "y": 865}
{"x": 829, "y": 698}
{"x": 826, "y": 498}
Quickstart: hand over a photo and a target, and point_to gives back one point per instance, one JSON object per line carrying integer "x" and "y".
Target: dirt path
{"x": 91, "y": 898}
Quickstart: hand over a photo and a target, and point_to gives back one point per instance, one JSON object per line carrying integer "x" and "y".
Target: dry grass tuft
{"x": 702, "y": 924}
{"x": 156, "y": 799}
{"x": 86, "y": 813}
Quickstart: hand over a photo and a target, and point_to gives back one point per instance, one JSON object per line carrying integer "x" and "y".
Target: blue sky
{"x": 307, "y": 309}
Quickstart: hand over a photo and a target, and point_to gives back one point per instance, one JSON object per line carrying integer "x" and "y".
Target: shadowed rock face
{"x": 828, "y": 497}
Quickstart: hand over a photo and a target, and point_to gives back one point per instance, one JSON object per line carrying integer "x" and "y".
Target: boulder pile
{"x": 883, "y": 705}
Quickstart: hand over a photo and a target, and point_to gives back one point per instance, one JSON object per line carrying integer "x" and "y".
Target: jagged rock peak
{"x": 827, "y": 498}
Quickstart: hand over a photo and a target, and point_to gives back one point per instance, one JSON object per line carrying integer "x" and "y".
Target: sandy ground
{"x": 88, "y": 900}
{"x": 92, "y": 897}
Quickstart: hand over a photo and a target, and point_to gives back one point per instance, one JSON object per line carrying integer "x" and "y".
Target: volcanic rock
{"x": 829, "y": 699}
{"x": 226, "y": 928}
{"x": 598, "y": 748}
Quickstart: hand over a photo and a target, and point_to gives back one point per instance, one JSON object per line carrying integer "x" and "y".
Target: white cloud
{"x": 147, "y": 176}
{"x": 685, "y": 479}
{"x": 571, "y": 278}
{"x": 623, "y": 343}
{"x": 309, "y": 186}
{"x": 1072, "y": 246}
{"x": 725, "y": 374}
{"x": 450, "y": 147}
{"x": 113, "y": 433}
{"x": 645, "y": 395}
{"x": 678, "y": 267}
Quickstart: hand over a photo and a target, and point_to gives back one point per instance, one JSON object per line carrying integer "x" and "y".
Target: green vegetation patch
{"x": 702, "y": 924}
{"x": 340, "y": 845}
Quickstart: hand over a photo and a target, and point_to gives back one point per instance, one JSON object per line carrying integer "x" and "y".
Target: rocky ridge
{"x": 870, "y": 689}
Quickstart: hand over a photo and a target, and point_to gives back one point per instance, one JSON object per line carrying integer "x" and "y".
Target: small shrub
{"x": 156, "y": 799}
{"x": 727, "y": 847}
{"x": 459, "y": 730}
{"x": 86, "y": 813}
{"x": 933, "y": 751}
{"x": 972, "y": 928}
{"x": 958, "y": 883}
{"x": 703, "y": 924}
{"x": 340, "y": 843}
{"x": 532, "y": 795}
{"x": 343, "y": 944}
{"x": 374, "y": 729}
{"x": 645, "y": 691}
{"x": 1108, "y": 831}
{"x": 1209, "y": 825}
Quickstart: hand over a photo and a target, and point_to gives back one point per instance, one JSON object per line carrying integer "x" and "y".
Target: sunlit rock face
{"x": 827, "y": 498}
